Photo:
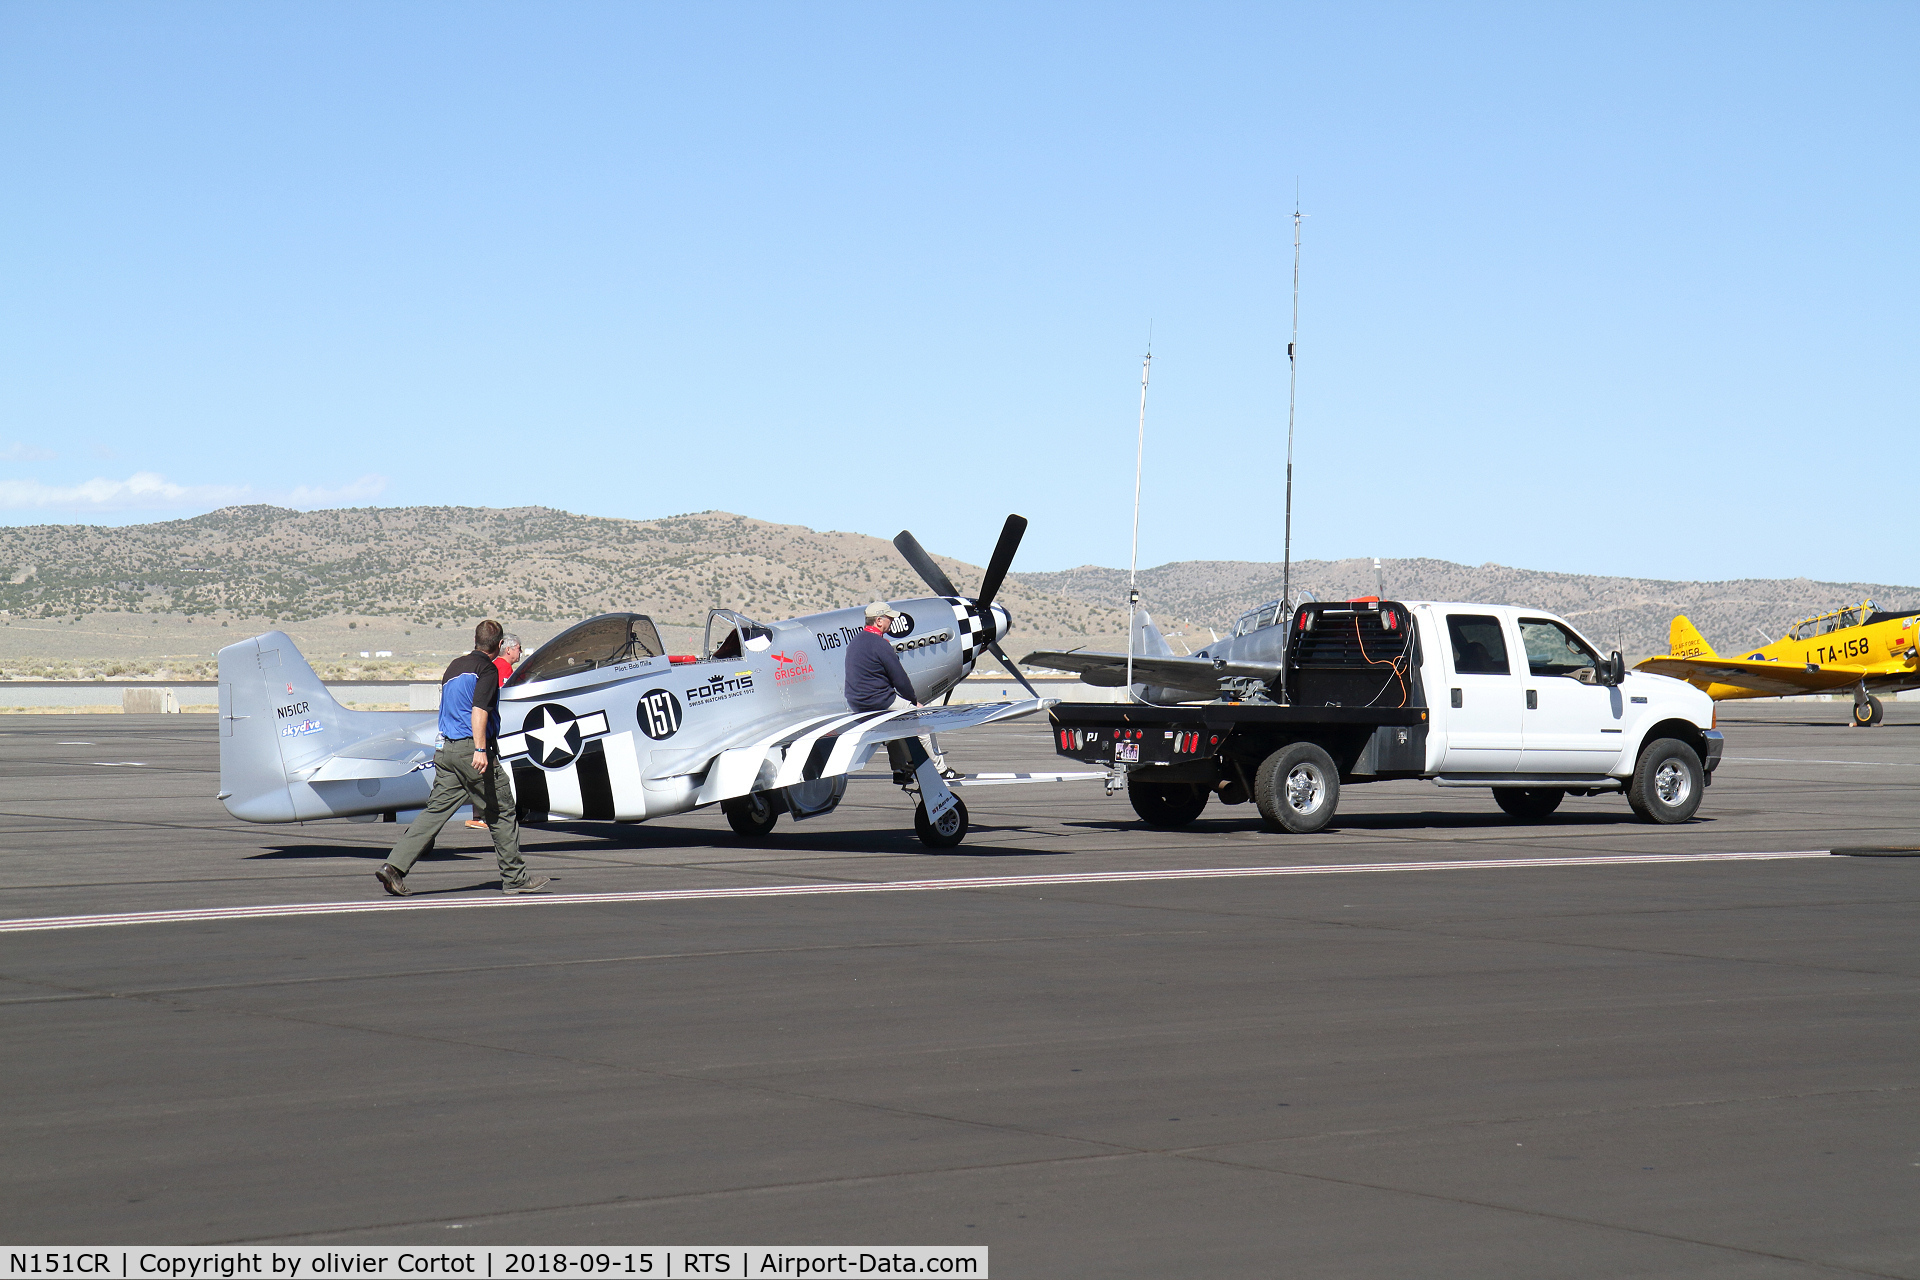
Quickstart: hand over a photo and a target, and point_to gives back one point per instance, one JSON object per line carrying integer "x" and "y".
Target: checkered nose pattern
{"x": 1002, "y": 621}
{"x": 975, "y": 628}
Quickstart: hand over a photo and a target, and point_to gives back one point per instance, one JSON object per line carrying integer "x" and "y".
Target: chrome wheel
{"x": 1672, "y": 783}
{"x": 1306, "y": 789}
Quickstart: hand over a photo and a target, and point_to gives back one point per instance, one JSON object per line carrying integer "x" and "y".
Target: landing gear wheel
{"x": 1166, "y": 806}
{"x": 751, "y": 816}
{"x": 1297, "y": 789}
{"x": 1876, "y": 712}
{"x": 1528, "y": 802}
{"x": 1667, "y": 783}
{"x": 949, "y": 831}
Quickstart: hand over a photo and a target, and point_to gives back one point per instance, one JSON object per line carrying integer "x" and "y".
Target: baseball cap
{"x": 881, "y": 609}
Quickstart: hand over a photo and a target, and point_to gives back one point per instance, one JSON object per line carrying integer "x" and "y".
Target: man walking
{"x": 467, "y": 768}
{"x": 507, "y": 659}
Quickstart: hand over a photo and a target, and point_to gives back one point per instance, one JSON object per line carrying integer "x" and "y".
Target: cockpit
{"x": 1829, "y": 622}
{"x": 1267, "y": 615}
{"x": 598, "y": 642}
{"x": 734, "y": 635}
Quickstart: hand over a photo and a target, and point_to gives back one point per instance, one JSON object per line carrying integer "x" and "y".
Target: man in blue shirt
{"x": 467, "y": 769}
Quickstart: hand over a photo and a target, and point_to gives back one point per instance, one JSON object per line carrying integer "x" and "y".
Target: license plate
{"x": 1127, "y": 751}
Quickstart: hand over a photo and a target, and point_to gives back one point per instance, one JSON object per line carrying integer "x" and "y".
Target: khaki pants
{"x": 900, "y": 756}
{"x": 456, "y": 782}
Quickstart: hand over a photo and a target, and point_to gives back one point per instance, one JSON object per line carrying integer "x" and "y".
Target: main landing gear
{"x": 1867, "y": 709}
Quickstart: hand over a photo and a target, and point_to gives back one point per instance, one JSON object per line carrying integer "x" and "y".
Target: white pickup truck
{"x": 1465, "y": 695}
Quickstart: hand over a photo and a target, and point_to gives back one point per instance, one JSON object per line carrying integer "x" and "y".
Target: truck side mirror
{"x": 1616, "y": 673}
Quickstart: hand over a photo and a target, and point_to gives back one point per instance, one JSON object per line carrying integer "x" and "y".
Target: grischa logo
{"x": 791, "y": 666}
{"x": 659, "y": 714}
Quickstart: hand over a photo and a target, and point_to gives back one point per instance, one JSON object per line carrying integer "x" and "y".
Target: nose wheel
{"x": 1868, "y": 713}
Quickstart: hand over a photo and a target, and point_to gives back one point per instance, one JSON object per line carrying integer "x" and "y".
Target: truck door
{"x": 1573, "y": 723}
{"x": 1483, "y": 709}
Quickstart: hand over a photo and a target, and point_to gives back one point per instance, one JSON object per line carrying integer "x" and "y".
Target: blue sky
{"x": 1612, "y": 289}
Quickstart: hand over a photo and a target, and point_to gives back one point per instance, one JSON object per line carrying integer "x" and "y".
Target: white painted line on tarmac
{"x": 47, "y": 923}
{"x": 1877, "y": 764}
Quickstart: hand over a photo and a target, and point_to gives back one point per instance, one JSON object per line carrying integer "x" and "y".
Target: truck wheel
{"x": 949, "y": 831}
{"x": 1667, "y": 783}
{"x": 1528, "y": 802}
{"x": 751, "y": 815}
{"x": 1297, "y": 789}
{"x": 1166, "y": 806}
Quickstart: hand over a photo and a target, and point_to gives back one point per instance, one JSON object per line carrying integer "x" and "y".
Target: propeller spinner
{"x": 1002, "y": 560}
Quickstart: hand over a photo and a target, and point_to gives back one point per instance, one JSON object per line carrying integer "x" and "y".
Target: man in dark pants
{"x": 877, "y": 682}
{"x": 467, "y": 769}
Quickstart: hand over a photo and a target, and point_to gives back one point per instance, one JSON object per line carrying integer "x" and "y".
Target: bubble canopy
{"x": 597, "y": 642}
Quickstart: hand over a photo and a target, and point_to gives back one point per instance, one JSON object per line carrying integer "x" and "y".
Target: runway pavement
{"x": 1431, "y": 1041}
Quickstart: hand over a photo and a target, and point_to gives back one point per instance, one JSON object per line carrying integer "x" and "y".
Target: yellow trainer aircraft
{"x": 1864, "y": 647}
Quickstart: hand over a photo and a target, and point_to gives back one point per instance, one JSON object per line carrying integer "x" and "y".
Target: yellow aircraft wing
{"x": 1764, "y": 678}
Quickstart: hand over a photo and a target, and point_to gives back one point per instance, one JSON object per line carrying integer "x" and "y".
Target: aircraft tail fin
{"x": 1685, "y": 641}
{"x": 1147, "y": 640}
{"x": 276, "y": 718}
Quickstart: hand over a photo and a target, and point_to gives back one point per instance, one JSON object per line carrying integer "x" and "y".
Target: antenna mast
{"x": 1293, "y": 377}
{"x": 1139, "y": 457}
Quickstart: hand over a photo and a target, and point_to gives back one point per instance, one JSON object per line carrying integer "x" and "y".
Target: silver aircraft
{"x": 602, "y": 723}
{"x": 1248, "y": 658}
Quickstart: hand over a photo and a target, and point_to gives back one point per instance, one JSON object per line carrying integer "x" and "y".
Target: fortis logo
{"x": 719, "y": 687}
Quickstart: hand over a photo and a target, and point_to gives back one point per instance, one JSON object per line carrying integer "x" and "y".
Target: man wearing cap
{"x": 877, "y": 682}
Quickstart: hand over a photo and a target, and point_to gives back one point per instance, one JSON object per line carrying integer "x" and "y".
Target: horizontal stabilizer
{"x": 1766, "y": 679}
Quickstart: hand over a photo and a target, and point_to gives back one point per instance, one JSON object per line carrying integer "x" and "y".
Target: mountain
{"x": 394, "y": 569}
{"x": 454, "y": 564}
{"x": 1630, "y": 614}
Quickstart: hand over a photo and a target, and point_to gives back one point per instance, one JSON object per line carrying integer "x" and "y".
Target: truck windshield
{"x": 1479, "y": 647}
{"x": 1552, "y": 650}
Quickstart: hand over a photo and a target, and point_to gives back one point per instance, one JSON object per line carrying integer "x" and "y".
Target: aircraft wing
{"x": 1109, "y": 670}
{"x": 824, "y": 746}
{"x": 1763, "y": 677}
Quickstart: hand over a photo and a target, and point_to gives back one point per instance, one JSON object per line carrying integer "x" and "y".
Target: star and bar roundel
{"x": 552, "y": 736}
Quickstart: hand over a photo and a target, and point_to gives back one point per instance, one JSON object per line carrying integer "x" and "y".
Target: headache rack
{"x": 1357, "y": 653}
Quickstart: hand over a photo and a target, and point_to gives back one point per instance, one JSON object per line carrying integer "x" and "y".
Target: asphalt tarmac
{"x": 1702, "y": 1067}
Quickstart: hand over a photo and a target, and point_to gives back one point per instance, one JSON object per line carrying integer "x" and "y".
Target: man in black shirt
{"x": 467, "y": 769}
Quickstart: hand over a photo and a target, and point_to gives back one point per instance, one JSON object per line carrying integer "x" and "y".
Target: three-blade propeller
{"x": 1002, "y": 560}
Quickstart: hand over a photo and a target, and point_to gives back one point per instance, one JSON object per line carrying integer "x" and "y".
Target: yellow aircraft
{"x": 1864, "y": 647}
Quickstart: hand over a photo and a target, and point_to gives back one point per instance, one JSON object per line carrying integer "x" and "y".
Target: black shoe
{"x": 392, "y": 880}
{"x": 949, "y": 775}
{"x": 901, "y": 777}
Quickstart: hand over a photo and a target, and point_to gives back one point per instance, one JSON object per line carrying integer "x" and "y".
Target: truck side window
{"x": 1479, "y": 647}
{"x": 1552, "y": 650}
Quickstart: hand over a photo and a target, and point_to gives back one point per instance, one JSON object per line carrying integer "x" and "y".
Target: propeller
{"x": 997, "y": 565}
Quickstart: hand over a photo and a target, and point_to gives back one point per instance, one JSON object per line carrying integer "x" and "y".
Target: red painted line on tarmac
{"x": 278, "y": 910}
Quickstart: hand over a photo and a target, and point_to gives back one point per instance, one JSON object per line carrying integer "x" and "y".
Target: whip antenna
{"x": 1293, "y": 377}
{"x": 1133, "y": 558}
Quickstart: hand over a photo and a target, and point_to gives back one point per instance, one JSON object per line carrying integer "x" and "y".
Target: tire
{"x": 1166, "y": 806}
{"x": 1863, "y": 714}
{"x": 1528, "y": 802}
{"x": 1668, "y": 782}
{"x": 1879, "y": 710}
{"x": 1297, "y": 789}
{"x": 945, "y": 834}
{"x": 751, "y": 816}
